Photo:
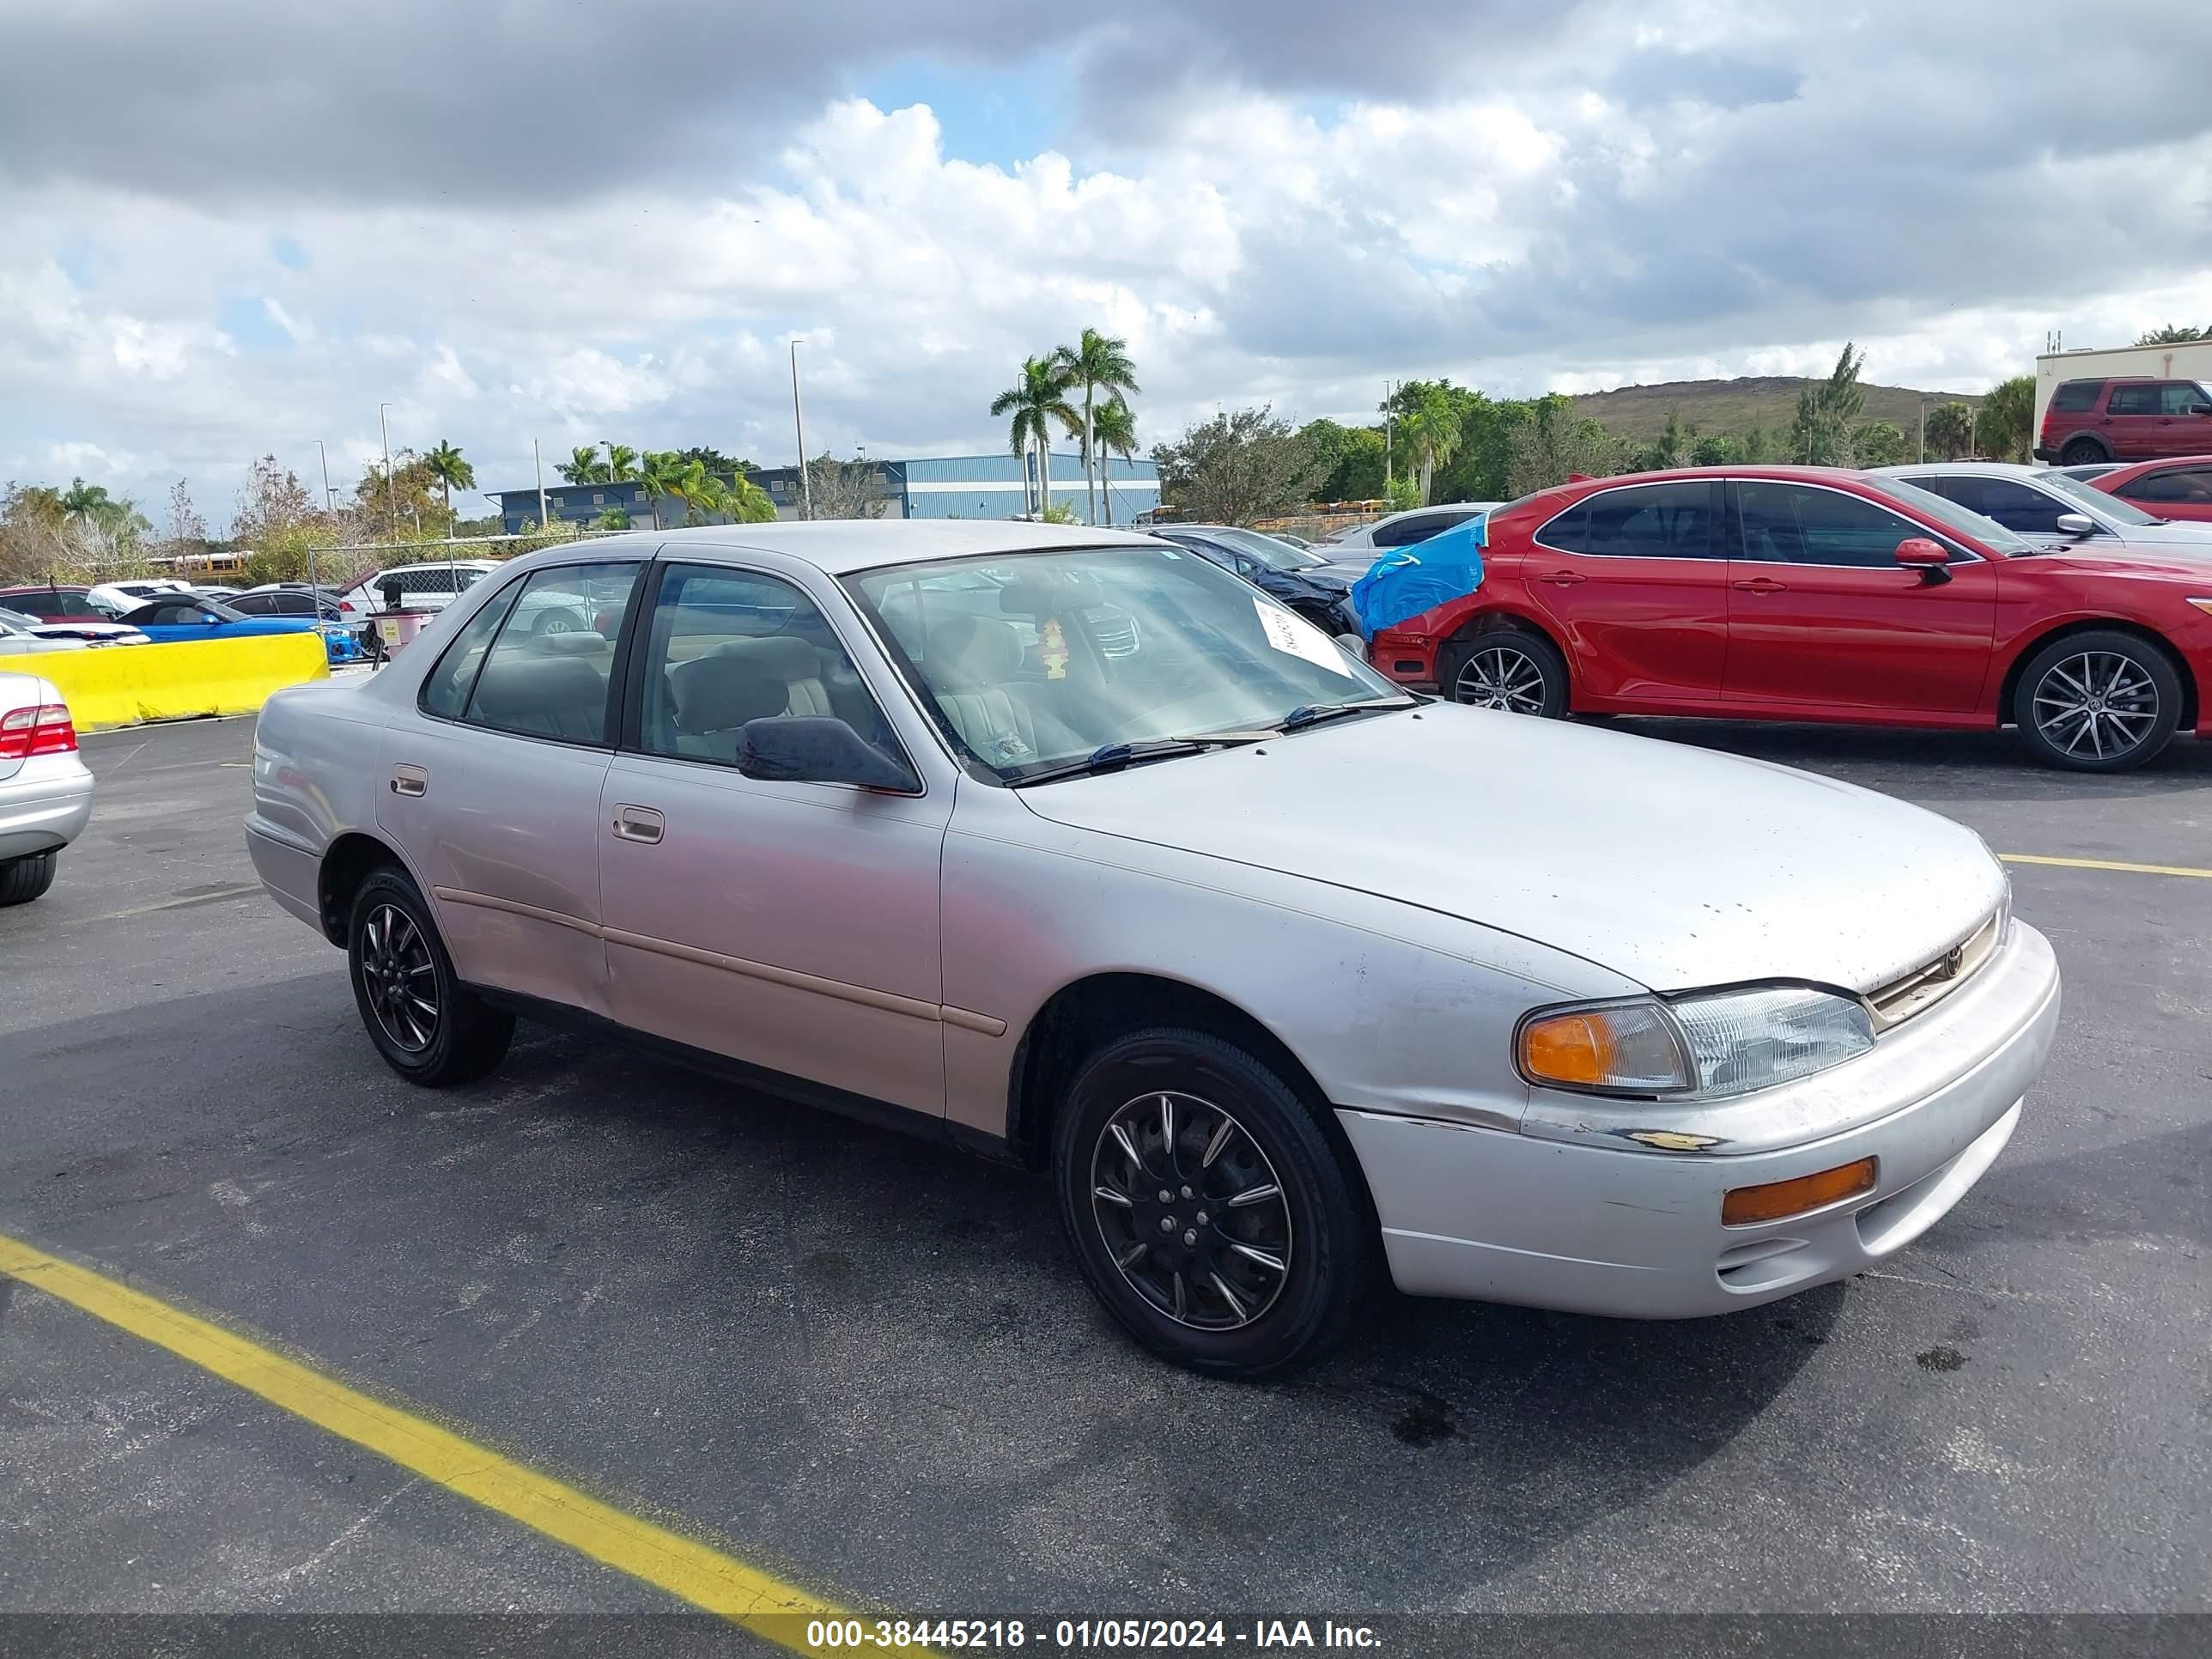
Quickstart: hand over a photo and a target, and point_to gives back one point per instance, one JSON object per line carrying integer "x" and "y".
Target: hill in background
{"x": 1639, "y": 413}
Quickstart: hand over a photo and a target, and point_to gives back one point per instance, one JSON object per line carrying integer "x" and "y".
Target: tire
{"x": 24, "y": 879}
{"x": 1296, "y": 1263}
{"x": 393, "y": 948}
{"x": 1512, "y": 669}
{"x": 560, "y": 620}
{"x": 2082, "y": 452}
{"x": 2097, "y": 702}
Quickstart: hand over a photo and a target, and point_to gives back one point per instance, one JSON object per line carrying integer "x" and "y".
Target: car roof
{"x": 2132, "y": 470}
{"x": 840, "y": 546}
{"x": 1990, "y": 469}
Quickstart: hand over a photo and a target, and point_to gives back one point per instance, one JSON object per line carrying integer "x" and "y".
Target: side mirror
{"x": 819, "y": 749}
{"x": 1919, "y": 553}
{"x": 2200, "y": 409}
{"x": 2074, "y": 524}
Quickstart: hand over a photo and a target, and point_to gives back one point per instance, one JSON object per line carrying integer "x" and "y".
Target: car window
{"x": 2075, "y": 396}
{"x": 2179, "y": 397}
{"x": 2179, "y": 483}
{"x": 1801, "y": 524}
{"x": 252, "y": 604}
{"x": 1651, "y": 521}
{"x": 2133, "y": 400}
{"x": 1275, "y": 554}
{"x": 2017, "y": 506}
{"x": 1417, "y": 527}
{"x": 726, "y": 647}
{"x": 2094, "y": 502}
{"x": 446, "y": 692}
{"x": 1064, "y": 651}
{"x": 542, "y": 678}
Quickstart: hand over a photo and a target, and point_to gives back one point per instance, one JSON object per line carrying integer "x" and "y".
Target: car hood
{"x": 2183, "y": 540}
{"x": 1675, "y": 866}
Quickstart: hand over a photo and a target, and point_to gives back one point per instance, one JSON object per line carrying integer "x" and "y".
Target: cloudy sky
{"x": 237, "y": 228}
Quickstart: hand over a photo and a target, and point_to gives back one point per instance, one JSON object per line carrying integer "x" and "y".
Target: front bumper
{"x": 1573, "y": 1217}
{"x": 45, "y": 805}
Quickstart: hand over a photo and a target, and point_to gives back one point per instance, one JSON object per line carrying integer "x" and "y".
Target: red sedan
{"x": 2179, "y": 489}
{"x": 1803, "y": 594}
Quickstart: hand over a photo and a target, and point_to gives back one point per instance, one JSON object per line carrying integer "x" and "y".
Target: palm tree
{"x": 1113, "y": 431}
{"x": 447, "y": 466}
{"x": 1096, "y": 362}
{"x": 661, "y": 473}
{"x": 745, "y": 502}
{"x": 583, "y": 466}
{"x": 622, "y": 463}
{"x": 1039, "y": 399}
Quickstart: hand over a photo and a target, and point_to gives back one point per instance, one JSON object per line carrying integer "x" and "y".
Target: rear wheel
{"x": 1206, "y": 1206}
{"x": 429, "y": 1028}
{"x": 1510, "y": 669}
{"x": 24, "y": 879}
{"x": 2083, "y": 452}
{"x": 2099, "y": 701}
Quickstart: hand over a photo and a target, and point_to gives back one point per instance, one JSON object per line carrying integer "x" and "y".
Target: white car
{"x": 116, "y": 598}
{"x": 426, "y": 586}
{"x": 1399, "y": 530}
{"x": 18, "y": 640}
{"x": 20, "y": 625}
{"x": 2052, "y": 508}
{"x": 45, "y": 792}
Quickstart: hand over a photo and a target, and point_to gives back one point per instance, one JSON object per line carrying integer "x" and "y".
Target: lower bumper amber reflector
{"x": 1742, "y": 1205}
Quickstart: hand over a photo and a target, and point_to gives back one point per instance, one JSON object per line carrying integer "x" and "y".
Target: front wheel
{"x": 1509, "y": 669}
{"x": 429, "y": 1027}
{"x": 1206, "y": 1206}
{"x": 2099, "y": 701}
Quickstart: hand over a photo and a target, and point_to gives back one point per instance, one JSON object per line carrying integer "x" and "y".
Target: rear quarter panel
{"x": 314, "y": 779}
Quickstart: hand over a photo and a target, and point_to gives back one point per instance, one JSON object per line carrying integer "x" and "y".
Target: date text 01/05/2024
{"x": 1082, "y": 1635}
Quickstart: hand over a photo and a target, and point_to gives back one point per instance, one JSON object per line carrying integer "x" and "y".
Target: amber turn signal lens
{"x": 1742, "y": 1205}
{"x": 1569, "y": 1048}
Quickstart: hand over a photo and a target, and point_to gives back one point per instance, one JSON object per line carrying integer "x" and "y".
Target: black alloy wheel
{"x": 429, "y": 1028}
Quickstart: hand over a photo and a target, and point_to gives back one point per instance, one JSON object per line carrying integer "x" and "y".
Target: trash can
{"x": 394, "y": 628}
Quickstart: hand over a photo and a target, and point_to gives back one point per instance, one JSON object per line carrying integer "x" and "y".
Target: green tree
{"x": 659, "y": 473}
{"x": 1432, "y": 434}
{"x": 1114, "y": 430}
{"x": 1718, "y": 449}
{"x": 1237, "y": 467}
{"x": 1877, "y": 443}
{"x": 613, "y": 518}
{"x": 451, "y": 471}
{"x": 1036, "y": 402}
{"x": 2173, "y": 334}
{"x": 745, "y": 502}
{"x": 408, "y": 511}
{"x": 1552, "y": 444}
{"x": 583, "y": 466}
{"x": 721, "y": 465}
{"x": 1827, "y": 414}
{"x": 1351, "y": 457}
{"x": 2005, "y": 424}
{"x": 1950, "y": 430}
{"x": 622, "y": 463}
{"x": 1674, "y": 446}
{"x": 1096, "y": 362}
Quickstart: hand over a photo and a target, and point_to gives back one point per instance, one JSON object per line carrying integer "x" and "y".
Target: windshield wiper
{"x": 1313, "y": 713}
{"x": 1113, "y": 757}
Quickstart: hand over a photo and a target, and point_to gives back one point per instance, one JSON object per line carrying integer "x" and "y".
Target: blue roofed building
{"x": 925, "y": 487}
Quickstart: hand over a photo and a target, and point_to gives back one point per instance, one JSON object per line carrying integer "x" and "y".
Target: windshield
{"x": 12, "y": 622}
{"x": 1028, "y": 661}
{"x": 1276, "y": 554}
{"x": 2097, "y": 501}
{"x": 1967, "y": 522}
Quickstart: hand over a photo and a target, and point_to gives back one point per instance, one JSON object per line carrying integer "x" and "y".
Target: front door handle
{"x": 637, "y": 823}
{"x": 1760, "y": 584}
{"x": 409, "y": 781}
{"x": 1561, "y": 578}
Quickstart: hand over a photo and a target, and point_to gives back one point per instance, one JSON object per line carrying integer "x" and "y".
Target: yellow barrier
{"x": 122, "y": 684}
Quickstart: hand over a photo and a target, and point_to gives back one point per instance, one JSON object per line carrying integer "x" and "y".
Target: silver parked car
{"x": 45, "y": 792}
{"x": 865, "y": 813}
{"x": 2050, "y": 508}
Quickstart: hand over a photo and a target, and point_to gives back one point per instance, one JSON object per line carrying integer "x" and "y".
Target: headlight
{"x": 1707, "y": 1047}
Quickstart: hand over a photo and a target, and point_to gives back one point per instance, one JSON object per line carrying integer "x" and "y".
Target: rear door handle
{"x": 409, "y": 781}
{"x": 1760, "y": 584}
{"x": 1561, "y": 578}
{"x": 638, "y": 824}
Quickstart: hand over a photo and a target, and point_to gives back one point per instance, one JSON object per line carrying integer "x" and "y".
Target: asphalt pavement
{"x": 866, "y": 1365}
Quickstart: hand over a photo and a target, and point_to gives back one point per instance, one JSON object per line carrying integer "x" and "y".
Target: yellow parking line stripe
{"x": 704, "y": 1577}
{"x": 2107, "y": 864}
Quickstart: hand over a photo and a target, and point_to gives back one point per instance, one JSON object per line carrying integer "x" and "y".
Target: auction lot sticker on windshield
{"x": 1297, "y": 636}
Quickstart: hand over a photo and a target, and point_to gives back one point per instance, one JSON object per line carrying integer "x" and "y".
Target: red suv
{"x": 53, "y": 605}
{"x": 2124, "y": 420}
{"x": 1804, "y": 593}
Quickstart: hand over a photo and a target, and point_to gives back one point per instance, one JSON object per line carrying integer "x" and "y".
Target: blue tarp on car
{"x": 1408, "y": 580}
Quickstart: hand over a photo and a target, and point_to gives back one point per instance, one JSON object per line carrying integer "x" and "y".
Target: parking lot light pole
{"x": 537, "y": 466}
{"x": 390, "y": 489}
{"x": 799, "y": 426}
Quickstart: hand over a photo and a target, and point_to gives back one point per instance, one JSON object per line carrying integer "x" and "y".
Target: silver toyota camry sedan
{"x": 1070, "y": 848}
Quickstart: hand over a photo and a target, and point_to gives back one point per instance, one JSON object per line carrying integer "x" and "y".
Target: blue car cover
{"x": 1407, "y": 580}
